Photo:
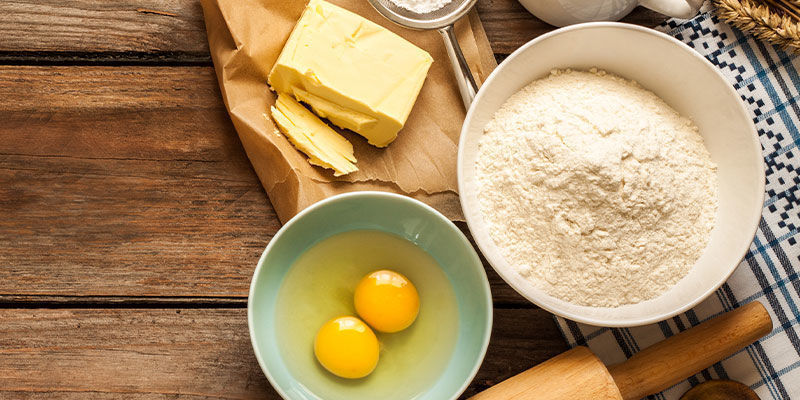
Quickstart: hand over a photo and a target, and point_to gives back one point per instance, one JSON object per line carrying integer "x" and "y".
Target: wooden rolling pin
{"x": 578, "y": 374}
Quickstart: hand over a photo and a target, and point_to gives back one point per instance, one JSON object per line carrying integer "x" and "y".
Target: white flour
{"x": 421, "y": 6}
{"x": 596, "y": 190}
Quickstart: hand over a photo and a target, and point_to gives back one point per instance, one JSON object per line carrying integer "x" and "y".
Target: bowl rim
{"x": 475, "y": 218}
{"x": 371, "y": 193}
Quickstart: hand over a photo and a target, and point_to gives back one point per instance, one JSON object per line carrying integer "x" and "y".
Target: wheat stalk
{"x": 793, "y": 5}
{"x": 785, "y": 7}
{"x": 762, "y": 22}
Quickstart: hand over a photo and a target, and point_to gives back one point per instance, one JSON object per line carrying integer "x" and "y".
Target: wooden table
{"x": 131, "y": 220}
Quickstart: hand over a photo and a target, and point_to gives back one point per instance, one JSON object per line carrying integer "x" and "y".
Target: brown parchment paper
{"x": 246, "y": 37}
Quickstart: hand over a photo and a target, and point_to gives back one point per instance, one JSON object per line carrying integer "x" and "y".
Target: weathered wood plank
{"x": 128, "y": 182}
{"x": 102, "y": 26}
{"x": 190, "y": 354}
{"x": 149, "y": 353}
{"x": 94, "y": 28}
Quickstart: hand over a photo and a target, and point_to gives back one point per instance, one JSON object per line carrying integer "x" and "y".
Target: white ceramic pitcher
{"x": 567, "y": 12}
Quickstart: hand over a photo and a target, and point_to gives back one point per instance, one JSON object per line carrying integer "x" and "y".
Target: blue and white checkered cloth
{"x": 768, "y": 82}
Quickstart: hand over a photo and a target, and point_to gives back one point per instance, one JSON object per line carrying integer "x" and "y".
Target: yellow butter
{"x": 324, "y": 146}
{"x": 353, "y": 72}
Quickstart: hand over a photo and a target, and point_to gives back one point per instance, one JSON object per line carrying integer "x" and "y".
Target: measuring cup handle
{"x": 466, "y": 83}
{"x": 683, "y": 9}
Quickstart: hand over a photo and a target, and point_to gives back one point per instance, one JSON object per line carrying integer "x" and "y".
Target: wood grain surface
{"x": 125, "y": 181}
{"x": 188, "y": 353}
{"x": 132, "y": 220}
{"x": 103, "y": 26}
{"x": 62, "y": 29}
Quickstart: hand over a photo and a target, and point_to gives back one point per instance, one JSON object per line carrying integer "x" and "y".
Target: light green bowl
{"x": 390, "y": 213}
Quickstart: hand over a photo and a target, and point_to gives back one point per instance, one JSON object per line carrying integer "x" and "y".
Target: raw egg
{"x": 347, "y": 347}
{"x": 387, "y": 301}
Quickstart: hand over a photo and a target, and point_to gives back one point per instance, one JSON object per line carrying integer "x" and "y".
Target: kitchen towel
{"x": 768, "y": 83}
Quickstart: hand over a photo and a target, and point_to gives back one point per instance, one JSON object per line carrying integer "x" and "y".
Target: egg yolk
{"x": 347, "y": 347}
{"x": 387, "y": 301}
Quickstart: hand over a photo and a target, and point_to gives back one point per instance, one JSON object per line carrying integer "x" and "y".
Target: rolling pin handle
{"x": 579, "y": 374}
{"x": 689, "y": 352}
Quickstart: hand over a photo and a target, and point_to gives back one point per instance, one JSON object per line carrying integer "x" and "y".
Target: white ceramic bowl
{"x": 688, "y": 83}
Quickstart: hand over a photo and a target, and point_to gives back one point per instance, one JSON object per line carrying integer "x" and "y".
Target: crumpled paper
{"x": 246, "y": 37}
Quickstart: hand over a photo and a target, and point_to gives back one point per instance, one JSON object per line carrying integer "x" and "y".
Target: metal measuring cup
{"x": 441, "y": 20}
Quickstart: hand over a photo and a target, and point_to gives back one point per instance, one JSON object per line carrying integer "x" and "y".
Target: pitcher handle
{"x": 683, "y": 9}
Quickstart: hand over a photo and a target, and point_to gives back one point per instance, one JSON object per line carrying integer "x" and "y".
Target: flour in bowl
{"x": 421, "y": 6}
{"x": 595, "y": 190}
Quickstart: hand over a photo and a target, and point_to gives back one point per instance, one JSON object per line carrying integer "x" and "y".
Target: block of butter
{"x": 357, "y": 74}
{"x": 324, "y": 146}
